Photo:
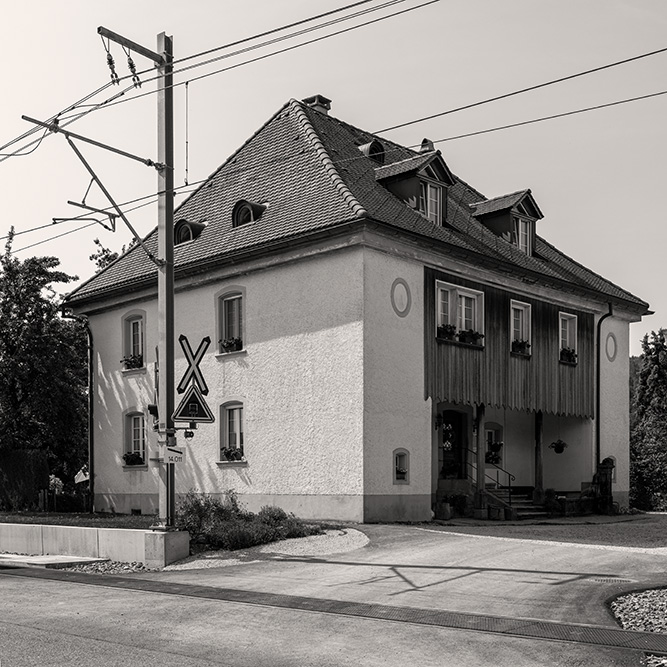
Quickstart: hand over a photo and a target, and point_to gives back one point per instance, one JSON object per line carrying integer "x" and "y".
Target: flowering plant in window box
{"x": 492, "y": 457}
{"x": 231, "y": 344}
{"x": 521, "y": 347}
{"x": 470, "y": 337}
{"x": 496, "y": 446}
{"x": 232, "y": 454}
{"x": 133, "y": 459}
{"x": 568, "y": 355}
{"x": 133, "y": 361}
{"x": 446, "y": 331}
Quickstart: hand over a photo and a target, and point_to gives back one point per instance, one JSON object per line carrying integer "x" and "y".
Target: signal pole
{"x": 163, "y": 60}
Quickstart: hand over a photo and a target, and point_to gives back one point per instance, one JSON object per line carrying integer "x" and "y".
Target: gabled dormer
{"x": 511, "y": 217}
{"x": 421, "y": 181}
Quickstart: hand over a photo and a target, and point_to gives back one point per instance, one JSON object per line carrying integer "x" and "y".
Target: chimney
{"x": 427, "y": 146}
{"x": 319, "y": 103}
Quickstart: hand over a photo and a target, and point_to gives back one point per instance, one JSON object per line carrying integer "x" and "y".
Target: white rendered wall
{"x": 117, "y": 392}
{"x": 396, "y": 414}
{"x": 300, "y": 379}
{"x": 615, "y": 403}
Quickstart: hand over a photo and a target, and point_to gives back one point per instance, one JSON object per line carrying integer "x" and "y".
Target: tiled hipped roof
{"x": 307, "y": 166}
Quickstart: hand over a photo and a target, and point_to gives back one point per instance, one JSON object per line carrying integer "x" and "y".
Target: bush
{"x": 272, "y": 515}
{"x": 226, "y": 524}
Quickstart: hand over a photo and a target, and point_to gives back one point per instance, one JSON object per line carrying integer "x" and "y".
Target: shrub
{"x": 226, "y": 524}
{"x": 272, "y": 515}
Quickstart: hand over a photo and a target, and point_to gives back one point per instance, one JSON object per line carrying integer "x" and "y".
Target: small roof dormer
{"x": 511, "y": 217}
{"x": 185, "y": 231}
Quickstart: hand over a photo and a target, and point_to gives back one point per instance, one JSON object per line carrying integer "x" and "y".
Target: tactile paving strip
{"x": 534, "y": 629}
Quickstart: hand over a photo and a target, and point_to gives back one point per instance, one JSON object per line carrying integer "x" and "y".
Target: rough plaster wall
{"x": 396, "y": 413}
{"x": 615, "y": 403}
{"x": 300, "y": 379}
{"x": 116, "y": 393}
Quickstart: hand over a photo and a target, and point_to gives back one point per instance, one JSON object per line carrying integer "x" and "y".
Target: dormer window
{"x": 245, "y": 212}
{"x": 430, "y": 201}
{"x": 522, "y": 234}
{"x": 373, "y": 150}
{"x": 185, "y": 231}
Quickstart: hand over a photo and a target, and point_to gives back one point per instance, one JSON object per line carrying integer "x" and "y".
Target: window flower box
{"x": 133, "y": 459}
{"x": 447, "y": 332}
{"x": 568, "y": 355}
{"x": 232, "y": 454}
{"x": 231, "y": 344}
{"x": 521, "y": 347}
{"x": 470, "y": 337}
{"x": 133, "y": 361}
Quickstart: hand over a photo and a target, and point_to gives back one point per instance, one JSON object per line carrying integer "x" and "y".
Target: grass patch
{"x": 647, "y": 531}
{"x": 225, "y": 524}
{"x": 141, "y": 522}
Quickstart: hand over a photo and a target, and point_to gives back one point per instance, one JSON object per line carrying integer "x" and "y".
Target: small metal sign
{"x": 174, "y": 455}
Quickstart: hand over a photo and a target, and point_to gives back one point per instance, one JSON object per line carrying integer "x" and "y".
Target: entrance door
{"x": 452, "y": 445}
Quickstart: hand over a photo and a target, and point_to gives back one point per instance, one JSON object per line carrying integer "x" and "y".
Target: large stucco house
{"x": 379, "y": 327}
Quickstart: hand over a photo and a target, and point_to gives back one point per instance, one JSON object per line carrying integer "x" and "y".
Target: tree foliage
{"x": 648, "y": 441}
{"x": 104, "y": 256}
{"x": 43, "y": 365}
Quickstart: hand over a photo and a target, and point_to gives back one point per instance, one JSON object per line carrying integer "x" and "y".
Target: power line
{"x": 108, "y": 104}
{"x": 524, "y": 90}
{"x": 558, "y": 115}
{"x": 81, "y": 102}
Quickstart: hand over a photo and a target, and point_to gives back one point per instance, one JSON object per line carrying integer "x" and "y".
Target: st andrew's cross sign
{"x": 193, "y": 407}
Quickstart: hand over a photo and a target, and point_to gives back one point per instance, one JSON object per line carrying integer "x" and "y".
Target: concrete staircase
{"x": 522, "y": 505}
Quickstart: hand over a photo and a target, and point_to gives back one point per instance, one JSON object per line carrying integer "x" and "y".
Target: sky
{"x": 597, "y": 176}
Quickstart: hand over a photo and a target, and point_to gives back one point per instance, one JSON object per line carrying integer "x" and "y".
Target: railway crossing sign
{"x": 193, "y": 408}
{"x": 193, "y": 373}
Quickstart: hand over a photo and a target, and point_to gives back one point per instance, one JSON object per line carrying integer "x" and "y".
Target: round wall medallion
{"x": 401, "y": 299}
{"x": 611, "y": 347}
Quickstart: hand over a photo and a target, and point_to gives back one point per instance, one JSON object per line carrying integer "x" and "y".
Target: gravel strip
{"x": 647, "y": 612}
{"x": 332, "y": 541}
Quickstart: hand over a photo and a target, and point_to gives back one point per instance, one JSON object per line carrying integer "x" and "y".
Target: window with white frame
{"x": 567, "y": 325}
{"x": 459, "y": 309}
{"x": 522, "y": 234}
{"x": 232, "y": 426}
{"x": 401, "y": 466}
{"x": 230, "y": 312}
{"x": 520, "y": 327}
{"x": 135, "y": 439}
{"x": 430, "y": 201}
{"x": 133, "y": 341}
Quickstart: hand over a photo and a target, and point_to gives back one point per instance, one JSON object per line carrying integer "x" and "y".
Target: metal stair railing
{"x": 510, "y": 477}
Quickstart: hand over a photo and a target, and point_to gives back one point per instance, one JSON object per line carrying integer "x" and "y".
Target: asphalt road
{"x": 44, "y": 623}
{"x": 58, "y": 622}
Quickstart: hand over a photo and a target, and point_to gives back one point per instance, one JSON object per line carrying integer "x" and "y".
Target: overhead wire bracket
{"x": 68, "y": 135}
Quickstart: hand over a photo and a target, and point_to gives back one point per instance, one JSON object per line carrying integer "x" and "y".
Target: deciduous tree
{"x": 648, "y": 442}
{"x": 43, "y": 365}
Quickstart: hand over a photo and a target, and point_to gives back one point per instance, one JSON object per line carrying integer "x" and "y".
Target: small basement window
{"x": 401, "y": 466}
{"x": 245, "y": 212}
